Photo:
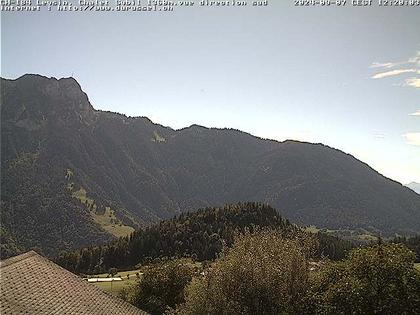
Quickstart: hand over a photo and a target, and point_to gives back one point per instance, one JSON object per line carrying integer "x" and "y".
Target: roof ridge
{"x": 15, "y": 259}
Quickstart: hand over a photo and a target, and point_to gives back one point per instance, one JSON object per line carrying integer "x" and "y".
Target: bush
{"x": 112, "y": 271}
{"x": 263, "y": 273}
{"x": 267, "y": 273}
{"x": 161, "y": 288}
{"x": 379, "y": 279}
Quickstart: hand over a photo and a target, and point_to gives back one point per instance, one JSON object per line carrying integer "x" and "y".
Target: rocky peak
{"x": 39, "y": 97}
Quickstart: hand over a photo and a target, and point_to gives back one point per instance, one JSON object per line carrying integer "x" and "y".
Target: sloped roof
{"x": 31, "y": 284}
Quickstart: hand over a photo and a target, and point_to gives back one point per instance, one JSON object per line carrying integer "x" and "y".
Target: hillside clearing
{"x": 107, "y": 220}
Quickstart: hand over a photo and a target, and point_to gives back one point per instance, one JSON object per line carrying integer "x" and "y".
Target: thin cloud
{"x": 379, "y": 136}
{"x": 415, "y": 60}
{"x": 416, "y": 113}
{"x": 412, "y": 138}
{"x": 411, "y": 65}
{"x": 414, "y": 82}
{"x": 386, "y": 65}
{"x": 393, "y": 73}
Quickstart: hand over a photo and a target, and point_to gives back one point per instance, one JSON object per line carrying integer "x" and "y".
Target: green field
{"x": 108, "y": 221}
{"x": 356, "y": 235}
{"x": 111, "y": 224}
{"x": 115, "y": 287}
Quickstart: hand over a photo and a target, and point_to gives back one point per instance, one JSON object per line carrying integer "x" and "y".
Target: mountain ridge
{"x": 116, "y": 172}
{"x": 414, "y": 186}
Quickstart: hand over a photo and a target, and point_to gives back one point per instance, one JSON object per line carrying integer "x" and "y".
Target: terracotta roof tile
{"x": 31, "y": 284}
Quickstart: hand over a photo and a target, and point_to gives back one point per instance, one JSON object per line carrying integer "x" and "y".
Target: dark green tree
{"x": 162, "y": 286}
{"x": 380, "y": 279}
{"x": 263, "y": 273}
{"x": 112, "y": 271}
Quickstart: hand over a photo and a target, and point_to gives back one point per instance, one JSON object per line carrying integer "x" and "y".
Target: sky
{"x": 348, "y": 77}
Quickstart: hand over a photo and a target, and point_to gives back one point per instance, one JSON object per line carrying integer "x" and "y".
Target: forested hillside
{"x": 201, "y": 235}
{"x": 72, "y": 176}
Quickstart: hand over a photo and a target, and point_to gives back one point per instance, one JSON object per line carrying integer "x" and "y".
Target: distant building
{"x": 104, "y": 279}
{"x": 32, "y": 284}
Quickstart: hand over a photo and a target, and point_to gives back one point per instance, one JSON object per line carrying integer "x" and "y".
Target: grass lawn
{"x": 116, "y": 286}
{"x": 132, "y": 279}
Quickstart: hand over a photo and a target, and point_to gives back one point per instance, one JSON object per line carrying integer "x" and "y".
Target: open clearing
{"x": 115, "y": 287}
{"x": 111, "y": 224}
{"x": 107, "y": 220}
{"x": 356, "y": 235}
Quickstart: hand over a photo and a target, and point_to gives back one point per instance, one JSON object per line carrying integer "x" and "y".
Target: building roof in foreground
{"x": 32, "y": 284}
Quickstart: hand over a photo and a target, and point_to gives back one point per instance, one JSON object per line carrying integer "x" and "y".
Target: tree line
{"x": 265, "y": 273}
{"x": 200, "y": 235}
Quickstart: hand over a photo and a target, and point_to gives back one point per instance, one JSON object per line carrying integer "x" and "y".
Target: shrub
{"x": 263, "y": 273}
{"x": 162, "y": 286}
{"x": 380, "y": 279}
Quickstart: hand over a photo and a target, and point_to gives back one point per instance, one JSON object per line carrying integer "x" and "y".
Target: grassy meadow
{"x": 115, "y": 287}
{"x": 107, "y": 220}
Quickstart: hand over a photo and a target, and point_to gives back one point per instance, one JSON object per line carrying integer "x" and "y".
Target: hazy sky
{"x": 347, "y": 77}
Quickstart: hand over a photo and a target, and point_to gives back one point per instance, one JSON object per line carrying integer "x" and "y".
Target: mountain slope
{"x": 415, "y": 187}
{"x": 72, "y": 175}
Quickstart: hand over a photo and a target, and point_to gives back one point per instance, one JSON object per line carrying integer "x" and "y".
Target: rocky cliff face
{"x": 72, "y": 175}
